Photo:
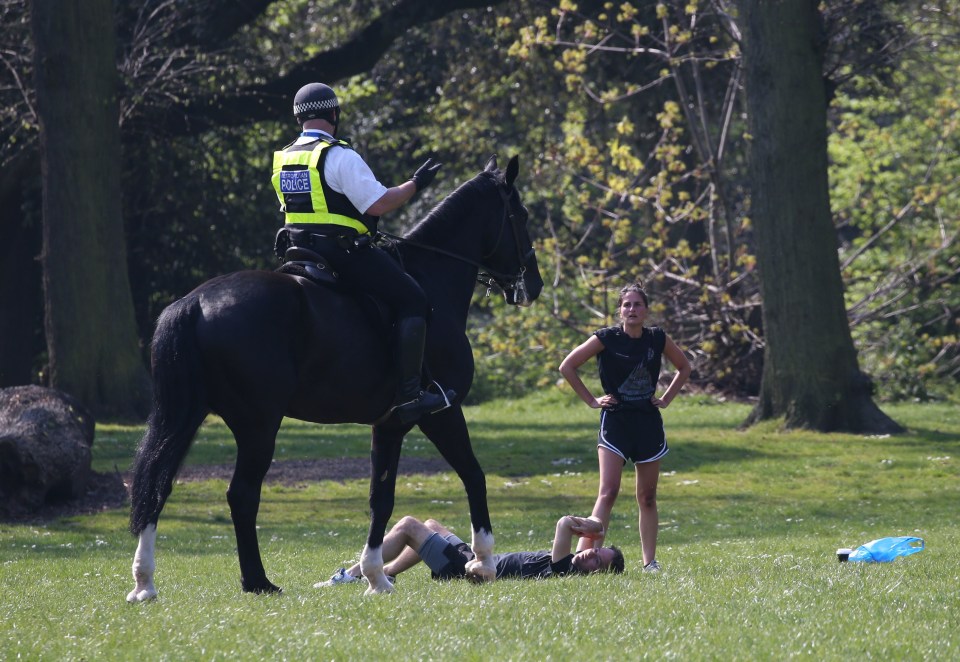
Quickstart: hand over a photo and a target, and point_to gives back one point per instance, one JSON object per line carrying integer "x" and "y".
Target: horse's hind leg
{"x": 159, "y": 454}
{"x": 448, "y": 432}
{"x": 144, "y": 565}
{"x": 255, "y": 446}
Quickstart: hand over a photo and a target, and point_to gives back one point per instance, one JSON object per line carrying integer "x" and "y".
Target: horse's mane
{"x": 458, "y": 204}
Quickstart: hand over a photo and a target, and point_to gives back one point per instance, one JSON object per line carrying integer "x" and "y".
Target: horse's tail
{"x": 178, "y": 410}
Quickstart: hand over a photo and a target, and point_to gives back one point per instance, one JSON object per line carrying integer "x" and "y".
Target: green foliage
{"x": 629, "y": 123}
{"x": 640, "y": 187}
{"x": 896, "y": 194}
{"x": 199, "y": 208}
{"x": 18, "y": 121}
{"x": 652, "y": 186}
{"x": 749, "y": 522}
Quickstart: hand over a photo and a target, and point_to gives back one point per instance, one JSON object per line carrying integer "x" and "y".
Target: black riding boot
{"x": 413, "y": 402}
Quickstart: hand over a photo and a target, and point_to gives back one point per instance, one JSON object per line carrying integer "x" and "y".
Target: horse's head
{"x": 508, "y": 254}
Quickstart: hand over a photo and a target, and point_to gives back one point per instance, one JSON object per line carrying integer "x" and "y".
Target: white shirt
{"x": 346, "y": 172}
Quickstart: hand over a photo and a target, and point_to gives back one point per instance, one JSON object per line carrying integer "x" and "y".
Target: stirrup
{"x": 447, "y": 395}
{"x": 410, "y": 411}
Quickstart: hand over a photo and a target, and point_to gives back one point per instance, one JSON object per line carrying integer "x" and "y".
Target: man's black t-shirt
{"x": 531, "y": 565}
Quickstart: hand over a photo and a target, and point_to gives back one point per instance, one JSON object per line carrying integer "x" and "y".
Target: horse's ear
{"x": 491, "y": 164}
{"x": 513, "y": 169}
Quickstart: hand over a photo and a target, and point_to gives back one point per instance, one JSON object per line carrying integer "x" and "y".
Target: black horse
{"x": 255, "y": 346}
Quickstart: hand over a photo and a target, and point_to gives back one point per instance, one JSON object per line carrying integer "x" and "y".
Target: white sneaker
{"x": 339, "y": 577}
{"x": 653, "y": 566}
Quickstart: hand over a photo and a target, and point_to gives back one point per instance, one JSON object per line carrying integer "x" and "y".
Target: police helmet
{"x": 316, "y": 100}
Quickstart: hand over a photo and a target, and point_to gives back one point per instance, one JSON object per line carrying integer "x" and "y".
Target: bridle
{"x": 485, "y": 275}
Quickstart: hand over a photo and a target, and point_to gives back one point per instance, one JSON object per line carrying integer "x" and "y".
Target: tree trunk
{"x": 90, "y": 326}
{"x": 21, "y": 310}
{"x": 811, "y": 376}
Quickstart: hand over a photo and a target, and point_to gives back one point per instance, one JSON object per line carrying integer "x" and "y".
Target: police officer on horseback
{"x": 332, "y": 203}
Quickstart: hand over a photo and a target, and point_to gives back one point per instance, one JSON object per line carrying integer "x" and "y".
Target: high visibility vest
{"x": 305, "y": 196}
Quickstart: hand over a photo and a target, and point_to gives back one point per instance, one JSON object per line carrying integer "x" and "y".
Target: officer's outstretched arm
{"x": 393, "y": 199}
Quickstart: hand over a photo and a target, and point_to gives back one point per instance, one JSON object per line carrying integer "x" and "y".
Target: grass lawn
{"x": 749, "y": 523}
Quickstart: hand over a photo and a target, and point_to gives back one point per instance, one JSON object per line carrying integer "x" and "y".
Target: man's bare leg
{"x": 401, "y": 544}
{"x": 409, "y": 557}
{"x": 611, "y": 472}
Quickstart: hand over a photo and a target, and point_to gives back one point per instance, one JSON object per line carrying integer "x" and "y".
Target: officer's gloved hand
{"x": 425, "y": 174}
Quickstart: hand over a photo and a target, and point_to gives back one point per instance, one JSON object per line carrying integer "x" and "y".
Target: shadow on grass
{"x": 695, "y": 518}
{"x": 918, "y": 436}
{"x": 684, "y": 456}
{"x": 693, "y": 455}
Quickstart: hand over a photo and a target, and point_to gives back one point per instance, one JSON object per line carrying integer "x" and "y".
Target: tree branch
{"x": 222, "y": 19}
{"x": 271, "y": 100}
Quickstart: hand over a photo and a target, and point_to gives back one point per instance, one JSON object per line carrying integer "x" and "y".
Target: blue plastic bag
{"x": 887, "y": 549}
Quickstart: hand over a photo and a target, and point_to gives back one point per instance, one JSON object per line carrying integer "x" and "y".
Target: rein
{"x": 488, "y": 277}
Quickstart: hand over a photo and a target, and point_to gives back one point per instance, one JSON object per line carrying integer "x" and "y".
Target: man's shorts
{"x": 634, "y": 435}
{"x": 446, "y": 556}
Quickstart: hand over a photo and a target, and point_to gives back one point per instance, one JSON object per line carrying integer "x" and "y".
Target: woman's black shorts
{"x": 634, "y": 435}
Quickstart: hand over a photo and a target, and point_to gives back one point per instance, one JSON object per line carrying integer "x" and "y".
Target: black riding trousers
{"x": 371, "y": 271}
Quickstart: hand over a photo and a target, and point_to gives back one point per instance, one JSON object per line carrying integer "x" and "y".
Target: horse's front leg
{"x": 448, "y": 432}
{"x": 384, "y": 460}
{"x": 144, "y": 565}
{"x": 371, "y": 566}
{"x": 481, "y": 568}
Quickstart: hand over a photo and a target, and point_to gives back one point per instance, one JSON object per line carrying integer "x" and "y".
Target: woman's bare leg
{"x": 648, "y": 475}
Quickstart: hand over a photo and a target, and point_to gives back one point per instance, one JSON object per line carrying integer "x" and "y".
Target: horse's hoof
{"x": 379, "y": 588}
{"x": 141, "y": 595}
{"x": 477, "y": 573}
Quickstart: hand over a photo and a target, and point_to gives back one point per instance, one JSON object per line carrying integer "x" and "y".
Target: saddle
{"x": 293, "y": 247}
{"x": 298, "y": 261}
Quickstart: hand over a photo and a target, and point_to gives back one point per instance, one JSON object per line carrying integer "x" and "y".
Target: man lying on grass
{"x": 411, "y": 541}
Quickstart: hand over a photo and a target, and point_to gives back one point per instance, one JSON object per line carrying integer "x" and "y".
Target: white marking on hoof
{"x": 376, "y": 588}
{"x": 480, "y": 572}
{"x": 144, "y": 566}
{"x": 482, "y": 568}
{"x": 145, "y": 595}
{"x": 371, "y": 565}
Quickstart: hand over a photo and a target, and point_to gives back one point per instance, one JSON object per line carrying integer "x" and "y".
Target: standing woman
{"x": 631, "y": 428}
